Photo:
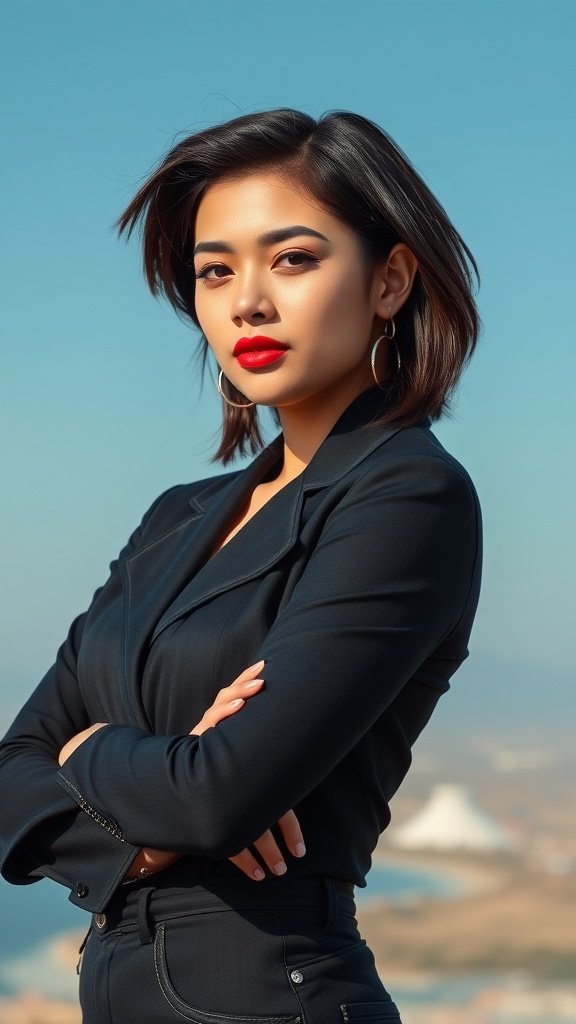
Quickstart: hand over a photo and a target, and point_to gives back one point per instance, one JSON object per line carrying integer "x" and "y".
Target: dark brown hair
{"x": 359, "y": 174}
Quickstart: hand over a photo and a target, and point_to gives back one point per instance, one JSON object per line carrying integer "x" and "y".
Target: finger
{"x": 156, "y": 857}
{"x": 237, "y": 691}
{"x": 246, "y": 676}
{"x": 216, "y": 714}
{"x": 247, "y": 863}
{"x": 244, "y": 689}
{"x": 156, "y": 860}
{"x": 75, "y": 741}
{"x": 292, "y": 833}
{"x": 270, "y": 851}
{"x": 250, "y": 671}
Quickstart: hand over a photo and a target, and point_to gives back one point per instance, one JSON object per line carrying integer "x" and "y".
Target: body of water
{"x": 406, "y": 883}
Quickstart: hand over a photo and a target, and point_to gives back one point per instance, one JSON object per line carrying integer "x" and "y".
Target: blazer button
{"x": 82, "y": 890}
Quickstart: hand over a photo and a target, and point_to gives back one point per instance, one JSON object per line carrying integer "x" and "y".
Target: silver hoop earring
{"x": 393, "y": 331}
{"x": 237, "y": 405}
{"x": 389, "y": 337}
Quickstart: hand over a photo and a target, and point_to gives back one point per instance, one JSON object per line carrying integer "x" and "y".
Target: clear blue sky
{"x": 99, "y": 403}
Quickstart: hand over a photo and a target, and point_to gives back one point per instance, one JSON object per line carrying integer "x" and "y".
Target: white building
{"x": 450, "y": 820}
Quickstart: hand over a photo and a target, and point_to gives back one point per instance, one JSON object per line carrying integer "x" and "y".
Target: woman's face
{"x": 307, "y": 290}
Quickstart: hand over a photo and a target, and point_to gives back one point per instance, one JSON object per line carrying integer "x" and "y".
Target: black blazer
{"x": 358, "y": 583}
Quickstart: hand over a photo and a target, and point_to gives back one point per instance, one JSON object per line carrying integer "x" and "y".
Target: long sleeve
{"x": 43, "y": 829}
{"x": 393, "y": 579}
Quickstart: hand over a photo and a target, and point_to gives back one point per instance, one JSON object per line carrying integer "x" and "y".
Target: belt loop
{"x": 331, "y": 904}
{"x": 144, "y": 929}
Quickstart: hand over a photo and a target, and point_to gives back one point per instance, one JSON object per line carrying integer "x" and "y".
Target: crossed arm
{"x": 228, "y": 701}
{"x": 389, "y": 581}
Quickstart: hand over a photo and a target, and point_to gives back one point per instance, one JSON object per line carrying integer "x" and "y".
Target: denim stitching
{"x": 172, "y": 997}
{"x": 287, "y": 970}
{"x": 109, "y": 965}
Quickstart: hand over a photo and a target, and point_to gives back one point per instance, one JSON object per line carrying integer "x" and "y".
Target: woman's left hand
{"x": 149, "y": 860}
{"x": 76, "y": 740}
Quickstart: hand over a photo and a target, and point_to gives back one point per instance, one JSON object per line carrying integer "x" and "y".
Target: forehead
{"x": 258, "y": 201}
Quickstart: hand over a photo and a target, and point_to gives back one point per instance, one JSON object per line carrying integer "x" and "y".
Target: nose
{"x": 250, "y": 302}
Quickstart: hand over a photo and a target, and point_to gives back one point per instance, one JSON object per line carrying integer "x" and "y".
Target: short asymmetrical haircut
{"x": 356, "y": 171}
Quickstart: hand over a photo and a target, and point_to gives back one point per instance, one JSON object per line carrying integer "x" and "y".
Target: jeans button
{"x": 100, "y": 920}
{"x": 297, "y": 977}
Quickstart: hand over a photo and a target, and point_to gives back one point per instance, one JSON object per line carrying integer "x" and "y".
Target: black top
{"x": 357, "y": 582}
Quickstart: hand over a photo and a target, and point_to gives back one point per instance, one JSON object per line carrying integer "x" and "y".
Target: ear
{"x": 393, "y": 281}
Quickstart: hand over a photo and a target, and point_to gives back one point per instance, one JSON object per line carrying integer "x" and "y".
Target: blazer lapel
{"x": 249, "y": 553}
{"x": 255, "y": 549}
{"x": 179, "y": 563}
{"x": 161, "y": 577}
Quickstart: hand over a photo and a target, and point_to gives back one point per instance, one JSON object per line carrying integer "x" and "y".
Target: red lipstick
{"x": 258, "y": 351}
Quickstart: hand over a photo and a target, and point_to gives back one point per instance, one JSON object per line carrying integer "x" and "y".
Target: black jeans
{"x": 279, "y": 951}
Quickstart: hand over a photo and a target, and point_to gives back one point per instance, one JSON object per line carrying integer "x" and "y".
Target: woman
{"x": 342, "y": 566}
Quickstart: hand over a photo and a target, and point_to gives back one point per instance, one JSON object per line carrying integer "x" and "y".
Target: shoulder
{"x": 412, "y": 492}
{"x": 414, "y": 507}
{"x": 415, "y": 461}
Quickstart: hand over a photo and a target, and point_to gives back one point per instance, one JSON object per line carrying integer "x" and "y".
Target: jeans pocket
{"x": 175, "y": 956}
{"x": 341, "y": 981}
{"x": 380, "y": 1012}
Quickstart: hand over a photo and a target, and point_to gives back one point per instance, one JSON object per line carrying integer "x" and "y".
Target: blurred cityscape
{"x": 498, "y": 949}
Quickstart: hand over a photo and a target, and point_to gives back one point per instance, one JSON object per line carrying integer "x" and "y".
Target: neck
{"x": 306, "y": 424}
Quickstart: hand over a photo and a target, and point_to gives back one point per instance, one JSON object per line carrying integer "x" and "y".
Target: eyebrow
{"x": 268, "y": 238}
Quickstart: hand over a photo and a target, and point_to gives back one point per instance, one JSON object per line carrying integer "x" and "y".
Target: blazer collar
{"x": 351, "y": 439}
{"x": 345, "y": 446}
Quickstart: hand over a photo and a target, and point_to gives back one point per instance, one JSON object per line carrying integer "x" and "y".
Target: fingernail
{"x": 234, "y": 703}
{"x": 257, "y": 665}
{"x": 258, "y": 873}
{"x": 255, "y": 682}
{"x": 299, "y": 849}
{"x": 280, "y": 868}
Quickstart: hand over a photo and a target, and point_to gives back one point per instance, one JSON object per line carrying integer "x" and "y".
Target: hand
{"x": 270, "y": 851}
{"x": 229, "y": 700}
{"x": 148, "y": 860}
{"x": 76, "y": 740}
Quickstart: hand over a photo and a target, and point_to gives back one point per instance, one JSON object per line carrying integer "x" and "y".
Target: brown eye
{"x": 212, "y": 266}
{"x": 303, "y": 257}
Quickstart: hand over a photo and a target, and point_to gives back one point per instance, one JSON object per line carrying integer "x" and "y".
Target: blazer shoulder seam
{"x": 387, "y": 456}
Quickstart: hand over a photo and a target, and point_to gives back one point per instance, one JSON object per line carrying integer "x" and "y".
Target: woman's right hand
{"x": 229, "y": 700}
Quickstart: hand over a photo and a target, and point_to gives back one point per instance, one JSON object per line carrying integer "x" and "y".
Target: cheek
{"x": 337, "y": 306}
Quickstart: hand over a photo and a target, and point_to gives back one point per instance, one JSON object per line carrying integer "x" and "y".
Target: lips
{"x": 259, "y": 343}
{"x": 253, "y": 353}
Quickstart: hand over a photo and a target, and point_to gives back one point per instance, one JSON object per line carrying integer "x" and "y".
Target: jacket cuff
{"x": 78, "y": 766}
{"x": 89, "y": 861}
{"x": 105, "y": 820}
{"x": 94, "y": 887}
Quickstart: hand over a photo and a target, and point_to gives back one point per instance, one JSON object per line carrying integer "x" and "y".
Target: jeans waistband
{"x": 142, "y": 908}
